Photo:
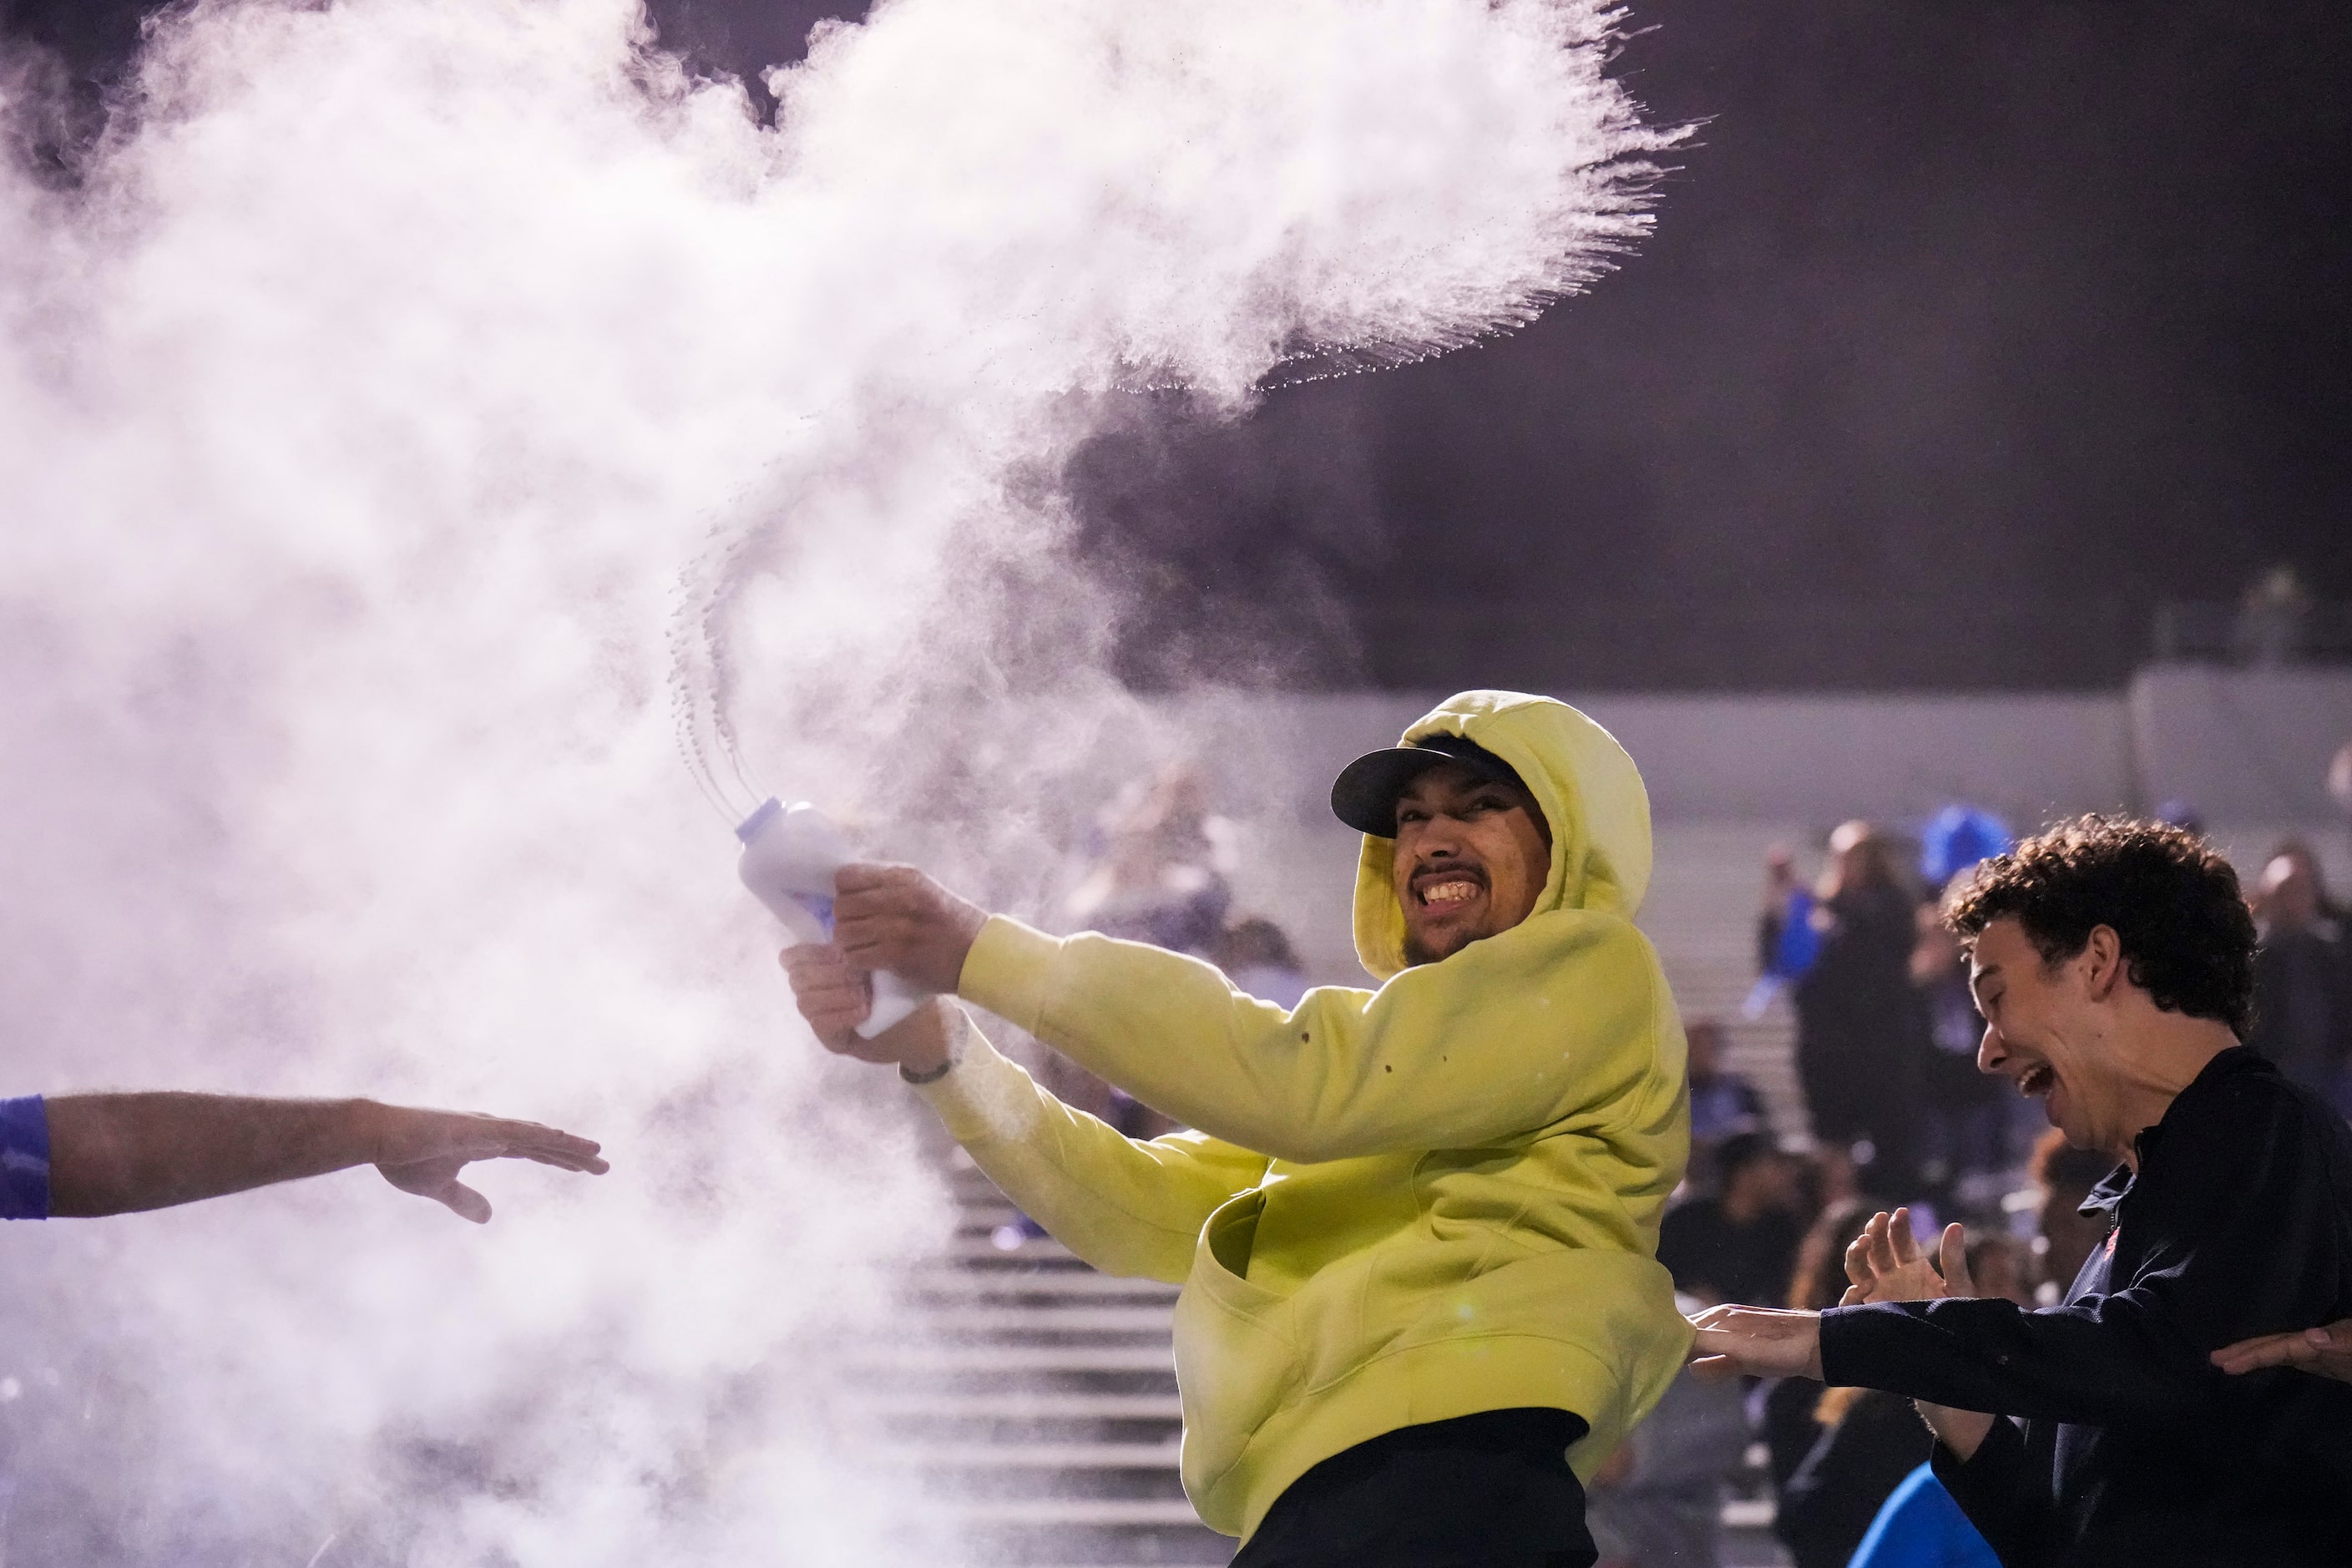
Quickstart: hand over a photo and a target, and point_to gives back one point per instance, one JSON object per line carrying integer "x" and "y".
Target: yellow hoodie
{"x": 1405, "y": 1204}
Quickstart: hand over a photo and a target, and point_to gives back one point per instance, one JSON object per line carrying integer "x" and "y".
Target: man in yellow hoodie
{"x": 1416, "y": 1228}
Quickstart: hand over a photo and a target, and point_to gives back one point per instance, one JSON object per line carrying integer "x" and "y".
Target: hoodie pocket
{"x": 1237, "y": 1347}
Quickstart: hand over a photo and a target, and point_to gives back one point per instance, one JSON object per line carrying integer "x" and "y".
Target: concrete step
{"x": 984, "y": 1252}
{"x": 1021, "y": 1405}
{"x": 1122, "y": 1542}
{"x": 1032, "y": 1456}
{"x": 945, "y": 1284}
{"x": 967, "y": 1358}
{"x": 1055, "y": 1318}
{"x": 1098, "y": 1512}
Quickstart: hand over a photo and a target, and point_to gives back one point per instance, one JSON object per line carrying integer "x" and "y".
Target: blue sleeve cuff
{"x": 24, "y": 1158}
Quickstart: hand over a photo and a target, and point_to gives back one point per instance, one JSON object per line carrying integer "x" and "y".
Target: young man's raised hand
{"x": 834, "y": 996}
{"x": 1886, "y": 1264}
{"x": 897, "y": 919}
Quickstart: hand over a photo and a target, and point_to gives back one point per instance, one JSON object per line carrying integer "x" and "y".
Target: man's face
{"x": 1472, "y": 857}
{"x": 2046, "y": 1034}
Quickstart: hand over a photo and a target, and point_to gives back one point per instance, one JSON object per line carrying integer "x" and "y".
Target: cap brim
{"x": 1365, "y": 795}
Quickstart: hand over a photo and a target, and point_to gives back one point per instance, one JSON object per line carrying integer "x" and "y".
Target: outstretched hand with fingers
{"x": 422, "y": 1152}
{"x": 835, "y": 996}
{"x": 2327, "y": 1351}
{"x": 1756, "y": 1341}
{"x": 1886, "y": 1264}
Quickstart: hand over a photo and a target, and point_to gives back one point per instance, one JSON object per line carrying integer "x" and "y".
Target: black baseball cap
{"x": 1364, "y": 796}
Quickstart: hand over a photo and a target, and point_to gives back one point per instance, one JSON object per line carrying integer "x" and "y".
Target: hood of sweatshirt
{"x": 1591, "y": 794}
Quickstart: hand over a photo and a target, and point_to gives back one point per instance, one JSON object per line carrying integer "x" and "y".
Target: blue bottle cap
{"x": 748, "y": 828}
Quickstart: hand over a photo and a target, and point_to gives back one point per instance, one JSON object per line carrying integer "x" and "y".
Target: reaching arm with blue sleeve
{"x": 23, "y": 1158}
{"x": 88, "y": 1155}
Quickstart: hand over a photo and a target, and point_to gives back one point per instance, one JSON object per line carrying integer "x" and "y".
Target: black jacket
{"x": 2133, "y": 1447}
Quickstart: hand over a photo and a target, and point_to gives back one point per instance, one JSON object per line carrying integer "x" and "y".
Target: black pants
{"x": 1491, "y": 1490}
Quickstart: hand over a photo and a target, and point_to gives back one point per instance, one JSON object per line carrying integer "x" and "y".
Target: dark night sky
{"x": 1970, "y": 330}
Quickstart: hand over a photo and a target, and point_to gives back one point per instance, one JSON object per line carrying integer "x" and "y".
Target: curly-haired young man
{"x": 2114, "y": 964}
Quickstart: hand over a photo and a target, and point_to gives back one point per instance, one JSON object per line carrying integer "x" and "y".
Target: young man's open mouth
{"x": 1448, "y": 887}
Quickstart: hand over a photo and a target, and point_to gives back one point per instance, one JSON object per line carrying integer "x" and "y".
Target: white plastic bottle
{"x": 790, "y": 853}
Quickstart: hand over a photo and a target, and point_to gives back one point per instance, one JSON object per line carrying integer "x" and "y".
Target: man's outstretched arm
{"x": 1347, "y": 1072}
{"x": 2143, "y": 1351}
{"x": 118, "y": 1154}
{"x": 1127, "y": 1207}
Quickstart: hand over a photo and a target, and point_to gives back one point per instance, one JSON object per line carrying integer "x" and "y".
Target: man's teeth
{"x": 1449, "y": 892}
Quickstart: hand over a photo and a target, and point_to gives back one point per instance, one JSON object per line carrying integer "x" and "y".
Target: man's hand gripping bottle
{"x": 790, "y": 853}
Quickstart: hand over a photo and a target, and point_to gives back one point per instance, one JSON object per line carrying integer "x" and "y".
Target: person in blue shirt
{"x": 1919, "y": 1526}
{"x": 84, "y": 1155}
{"x": 1722, "y": 1102}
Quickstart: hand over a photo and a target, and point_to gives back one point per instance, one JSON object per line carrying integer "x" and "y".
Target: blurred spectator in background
{"x": 2274, "y": 623}
{"x": 1965, "y": 1145}
{"x": 1956, "y": 839}
{"x": 2065, "y": 1177}
{"x": 1657, "y": 1502}
{"x": 2303, "y": 978}
{"x": 1787, "y": 939}
{"x": 1257, "y": 957}
{"x": 2002, "y": 1266}
{"x": 1721, "y": 1101}
{"x": 2339, "y": 777}
{"x": 1825, "y": 1177}
{"x": 1835, "y": 1454}
{"x": 1737, "y": 1242}
{"x": 2306, "y": 860}
{"x": 1859, "y": 1056}
{"x": 1162, "y": 876}
{"x": 1965, "y": 1141}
